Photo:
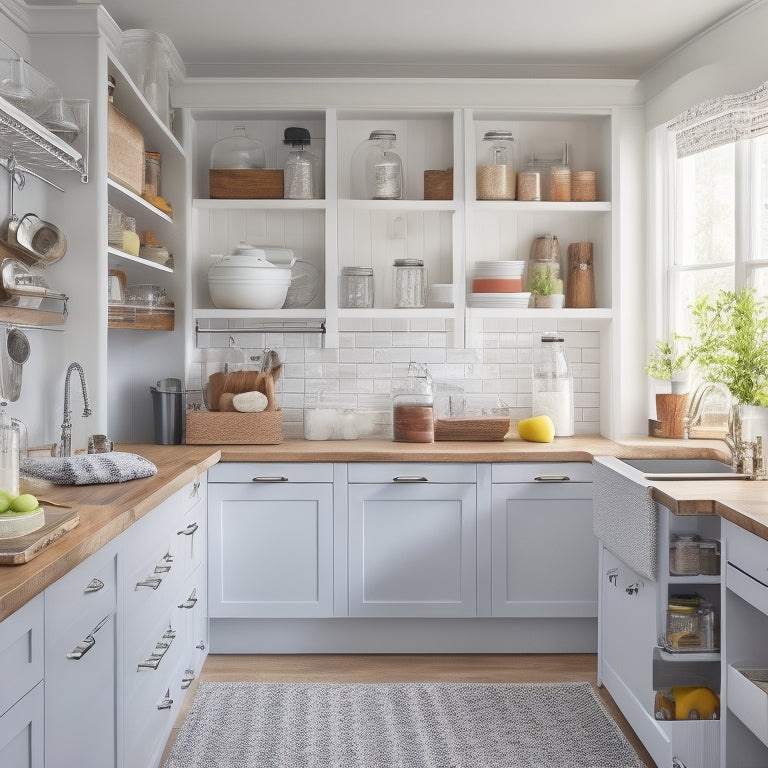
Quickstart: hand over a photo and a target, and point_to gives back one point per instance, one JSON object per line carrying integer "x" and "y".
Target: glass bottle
{"x": 298, "y": 179}
{"x": 383, "y": 167}
{"x": 9, "y": 455}
{"x": 553, "y": 384}
{"x": 413, "y": 419}
{"x": 238, "y": 151}
{"x": 496, "y": 175}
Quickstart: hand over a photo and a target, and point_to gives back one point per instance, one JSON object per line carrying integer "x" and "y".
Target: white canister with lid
{"x": 246, "y": 280}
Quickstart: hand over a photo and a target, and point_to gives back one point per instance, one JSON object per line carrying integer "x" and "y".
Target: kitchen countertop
{"x": 107, "y": 510}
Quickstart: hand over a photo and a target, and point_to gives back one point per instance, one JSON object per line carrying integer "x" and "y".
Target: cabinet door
{"x": 412, "y": 549}
{"x": 543, "y": 551}
{"x": 21, "y": 652}
{"x": 21, "y": 732}
{"x": 270, "y": 549}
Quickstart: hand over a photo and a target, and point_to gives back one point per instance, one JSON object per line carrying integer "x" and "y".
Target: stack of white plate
{"x": 507, "y": 300}
{"x": 498, "y": 284}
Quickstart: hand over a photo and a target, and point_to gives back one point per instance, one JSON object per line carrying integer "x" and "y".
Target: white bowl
{"x": 254, "y": 293}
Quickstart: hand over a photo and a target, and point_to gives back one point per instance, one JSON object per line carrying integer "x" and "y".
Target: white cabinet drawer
{"x": 542, "y": 472}
{"x": 403, "y": 472}
{"x": 247, "y": 472}
{"x": 85, "y": 595}
{"x": 748, "y": 701}
{"x": 749, "y": 553}
{"x": 21, "y": 652}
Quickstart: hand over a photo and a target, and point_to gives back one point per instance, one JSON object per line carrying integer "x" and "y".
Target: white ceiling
{"x": 590, "y": 38}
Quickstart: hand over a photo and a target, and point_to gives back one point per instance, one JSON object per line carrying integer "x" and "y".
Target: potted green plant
{"x": 545, "y": 288}
{"x": 670, "y": 361}
{"x": 732, "y": 349}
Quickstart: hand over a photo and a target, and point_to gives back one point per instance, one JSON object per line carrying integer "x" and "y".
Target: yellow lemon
{"x": 24, "y": 503}
{"x": 538, "y": 429}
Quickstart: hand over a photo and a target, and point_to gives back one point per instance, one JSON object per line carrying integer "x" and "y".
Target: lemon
{"x": 24, "y": 503}
{"x": 5, "y": 501}
{"x": 538, "y": 429}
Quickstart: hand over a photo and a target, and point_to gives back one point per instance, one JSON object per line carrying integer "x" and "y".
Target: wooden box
{"x": 232, "y": 428}
{"x": 438, "y": 185}
{"x": 125, "y": 151}
{"x": 245, "y": 184}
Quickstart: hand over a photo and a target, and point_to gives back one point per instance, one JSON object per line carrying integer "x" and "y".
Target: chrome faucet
{"x": 65, "y": 444}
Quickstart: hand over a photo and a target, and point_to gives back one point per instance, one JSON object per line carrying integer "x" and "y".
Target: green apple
{"x": 5, "y": 501}
{"x": 24, "y": 503}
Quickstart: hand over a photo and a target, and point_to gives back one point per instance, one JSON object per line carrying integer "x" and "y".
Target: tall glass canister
{"x": 553, "y": 383}
{"x": 300, "y": 167}
{"x": 383, "y": 167}
{"x": 496, "y": 179}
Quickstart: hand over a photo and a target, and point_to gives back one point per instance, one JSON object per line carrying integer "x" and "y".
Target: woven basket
{"x": 232, "y": 428}
{"x": 475, "y": 430}
{"x": 125, "y": 151}
{"x": 438, "y": 185}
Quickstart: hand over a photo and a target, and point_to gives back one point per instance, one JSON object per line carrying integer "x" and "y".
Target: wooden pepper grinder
{"x": 580, "y": 285}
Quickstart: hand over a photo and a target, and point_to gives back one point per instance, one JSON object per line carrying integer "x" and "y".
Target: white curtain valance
{"x": 723, "y": 120}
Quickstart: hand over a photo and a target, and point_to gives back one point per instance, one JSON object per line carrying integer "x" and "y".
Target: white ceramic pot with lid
{"x": 246, "y": 280}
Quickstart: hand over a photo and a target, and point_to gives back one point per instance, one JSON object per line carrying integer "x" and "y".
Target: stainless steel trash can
{"x": 168, "y": 407}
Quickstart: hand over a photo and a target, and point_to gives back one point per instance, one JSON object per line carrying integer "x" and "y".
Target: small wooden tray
{"x": 475, "y": 430}
{"x": 246, "y": 184}
{"x": 23, "y": 548}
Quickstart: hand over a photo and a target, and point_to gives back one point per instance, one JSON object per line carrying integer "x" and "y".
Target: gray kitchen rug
{"x": 400, "y": 725}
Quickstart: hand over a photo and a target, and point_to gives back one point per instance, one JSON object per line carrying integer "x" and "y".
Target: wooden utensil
{"x": 580, "y": 282}
{"x": 216, "y": 382}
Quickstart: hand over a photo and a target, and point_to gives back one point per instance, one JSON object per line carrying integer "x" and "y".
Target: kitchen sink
{"x": 684, "y": 469}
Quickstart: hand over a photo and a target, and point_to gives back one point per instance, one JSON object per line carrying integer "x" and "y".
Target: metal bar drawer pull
{"x": 186, "y": 681}
{"x": 552, "y": 479}
{"x": 189, "y": 530}
{"x": 94, "y": 585}
{"x": 167, "y": 702}
{"x": 276, "y": 479}
{"x": 88, "y": 641}
{"x": 149, "y": 582}
{"x": 161, "y": 648}
{"x": 410, "y": 479}
{"x": 190, "y": 601}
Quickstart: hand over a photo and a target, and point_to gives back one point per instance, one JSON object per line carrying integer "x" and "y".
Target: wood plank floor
{"x": 343, "y": 668}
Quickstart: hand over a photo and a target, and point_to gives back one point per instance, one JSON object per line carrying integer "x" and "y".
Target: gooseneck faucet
{"x": 65, "y": 444}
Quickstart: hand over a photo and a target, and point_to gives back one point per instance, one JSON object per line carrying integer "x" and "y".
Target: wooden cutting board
{"x": 23, "y": 548}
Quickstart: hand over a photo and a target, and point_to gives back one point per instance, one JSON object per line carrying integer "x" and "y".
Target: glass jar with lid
{"x": 413, "y": 419}
{"x": 496, "y": 172}
{"x": 410, "y": 283}
{"x": 553, "y": 383}
{"x": 684, "y": 555}
{"x": 300, "y": 167}
{"x": 356, "y": 288}
{"x": 377, "y": 169}
{"x": 9, "y": 455}
{"x": 238, "y": 151}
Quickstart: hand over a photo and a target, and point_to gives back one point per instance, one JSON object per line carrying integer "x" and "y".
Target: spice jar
{"x": 496, "y": 176}
{"x": 152, "y": 174}
{"x": 410, "y": 283}
{"x": 383, "y": 167}
{"x": 413, "y": 418}
{"x": 553, "y": 384}
{"x": 299, "y": 171}
{"x": 356, "y": 288}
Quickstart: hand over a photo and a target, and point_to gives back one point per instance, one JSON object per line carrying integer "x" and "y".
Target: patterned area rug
{"x": 400, "y": 725}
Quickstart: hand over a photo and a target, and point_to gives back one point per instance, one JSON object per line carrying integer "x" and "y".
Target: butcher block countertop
{"x": 107, "y": 510}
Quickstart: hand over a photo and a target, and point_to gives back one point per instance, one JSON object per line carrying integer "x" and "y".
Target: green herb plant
{"x": 732, "y": 345}
{"x": 667, "y": 358}
{"x": 542, "y": 282}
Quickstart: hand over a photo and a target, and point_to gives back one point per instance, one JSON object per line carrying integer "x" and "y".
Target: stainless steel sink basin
{"x": 684, "y": 469}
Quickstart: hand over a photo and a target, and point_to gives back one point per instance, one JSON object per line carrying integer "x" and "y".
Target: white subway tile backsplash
{"x": 373, "y": 357}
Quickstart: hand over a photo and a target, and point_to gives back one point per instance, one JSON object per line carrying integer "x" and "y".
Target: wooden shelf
{"x": 117, "y": 253}
{"x": 141, "y": 318}
{"x": 31, "y": 317}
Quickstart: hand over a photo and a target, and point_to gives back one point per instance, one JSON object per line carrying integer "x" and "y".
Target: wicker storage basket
{"x": 232, "y": 428}
{"x": 475, "y": 430}
{"x": 245, "y": 184}
{"x": 125, "y": 151}
{"x": 438, "y": 185}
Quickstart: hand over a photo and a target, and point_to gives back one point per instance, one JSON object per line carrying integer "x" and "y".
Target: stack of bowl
{"x": 498, "y": 284}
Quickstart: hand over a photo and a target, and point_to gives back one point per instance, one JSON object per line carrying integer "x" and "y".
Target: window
{"x": 717, "y": 205}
